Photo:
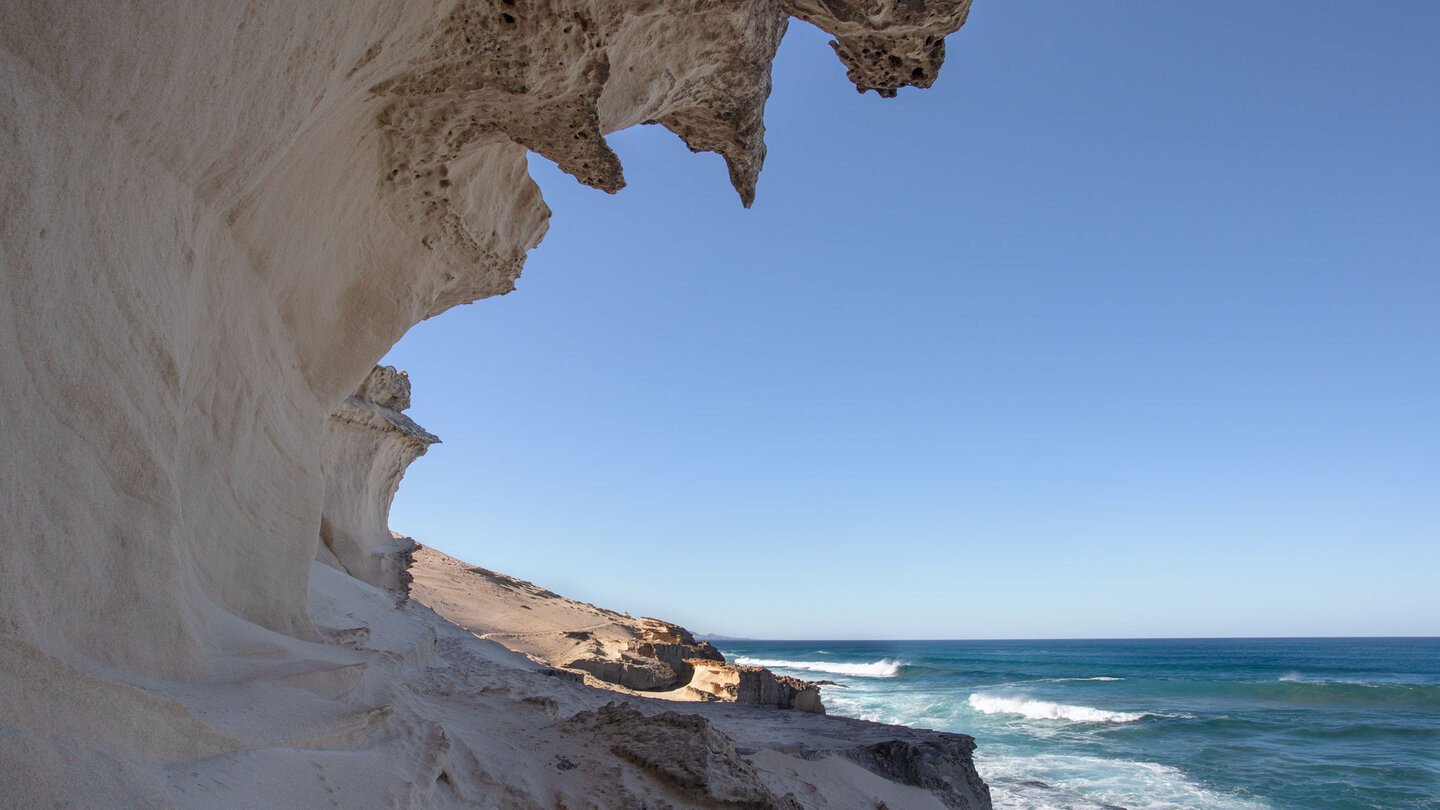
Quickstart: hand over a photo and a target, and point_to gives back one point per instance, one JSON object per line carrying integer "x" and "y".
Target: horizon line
{"x": 722, "y": 637}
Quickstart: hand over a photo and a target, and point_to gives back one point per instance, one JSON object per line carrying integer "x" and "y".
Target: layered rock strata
{"x": 657, "y": 656}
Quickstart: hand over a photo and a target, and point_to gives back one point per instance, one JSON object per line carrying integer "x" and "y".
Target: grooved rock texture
{"x": 215, "y": 218}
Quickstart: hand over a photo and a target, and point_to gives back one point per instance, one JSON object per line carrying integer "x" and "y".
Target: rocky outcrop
{"x": 942, "y": 766}
{"x": 685, "y": 751}
{"x": 934, "y": 765}
{"x": 629, "y": 671}
{"x": 656, "y": 657}
{"x": 367, "y": 446}
{"x": 754, "y": 686}
{"x": 672, "y": 645}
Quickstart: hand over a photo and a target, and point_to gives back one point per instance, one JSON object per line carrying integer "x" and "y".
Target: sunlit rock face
{"x": 756, "y": 686}
{"x": 216, "y": 217}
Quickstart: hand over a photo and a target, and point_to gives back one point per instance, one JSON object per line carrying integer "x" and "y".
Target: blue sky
{"x": 1127, "y": 327}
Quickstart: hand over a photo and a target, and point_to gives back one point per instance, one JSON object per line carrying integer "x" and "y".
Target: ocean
{"x": 1202, "y": 724}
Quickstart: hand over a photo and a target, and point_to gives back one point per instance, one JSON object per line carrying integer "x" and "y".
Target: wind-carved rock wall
{"x": 368, "y": 444}
{"x": 217, "y": 217}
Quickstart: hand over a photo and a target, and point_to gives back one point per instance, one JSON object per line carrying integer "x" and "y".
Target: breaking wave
{"x": 1045, "y": 710}
{"x": 884, "y": 668}
{"x": 1053, "y": 782}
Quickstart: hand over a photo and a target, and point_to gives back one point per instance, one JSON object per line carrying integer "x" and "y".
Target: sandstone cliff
{"x": 216, "y": 218}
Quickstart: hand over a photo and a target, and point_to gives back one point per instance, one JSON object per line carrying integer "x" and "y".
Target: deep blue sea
{"x": 1310, "y": 724}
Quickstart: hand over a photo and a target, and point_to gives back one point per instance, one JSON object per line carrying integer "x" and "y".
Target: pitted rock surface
{"x": 217, "y": 218}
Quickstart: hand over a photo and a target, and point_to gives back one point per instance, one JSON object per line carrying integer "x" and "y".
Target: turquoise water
{"x": 1228, "y": 724}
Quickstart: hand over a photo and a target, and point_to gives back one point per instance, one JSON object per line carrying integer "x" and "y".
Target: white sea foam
{"x": 1297, "y": 677}
{"x": 1066, "y": 782}
{"x": 1063, "y": 680}
{"x": 1045, "y": 710}
{"x": 884, "y": 668}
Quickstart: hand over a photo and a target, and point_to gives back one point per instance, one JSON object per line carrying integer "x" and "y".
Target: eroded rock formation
{"x": 216, "y": 218}
{"x": 673, "y": 645}
{"x": 755, "y": 686}
{"x": 367, "y": 446}
{"x": 655, "y": 656}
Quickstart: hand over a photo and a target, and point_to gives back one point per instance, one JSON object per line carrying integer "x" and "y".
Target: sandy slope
{"x": 611, "y": 650}
{"x": 518, "y": 614}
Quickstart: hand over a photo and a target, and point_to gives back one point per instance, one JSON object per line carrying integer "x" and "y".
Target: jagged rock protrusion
{"x": 368, "y": 444}
{"x": 722, "y": 109}
{"x": 942, "y": 766}
{"x": 886, "y": 45}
